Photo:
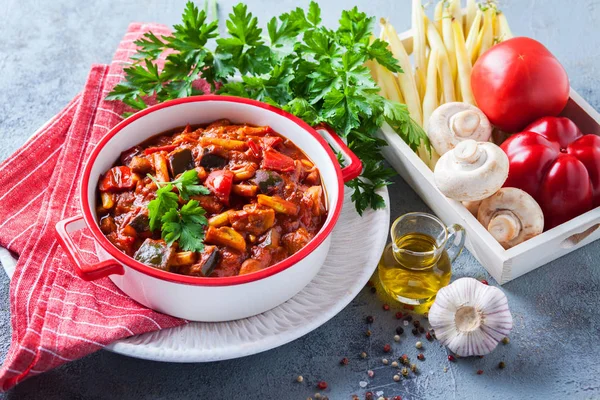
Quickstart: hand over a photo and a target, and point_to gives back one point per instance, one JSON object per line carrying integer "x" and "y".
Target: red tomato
{"x": 558, "y": 166}
{"x": 117, "y": 179}
{"x": 518, "y": 81}
{"x": 220, "y": 183}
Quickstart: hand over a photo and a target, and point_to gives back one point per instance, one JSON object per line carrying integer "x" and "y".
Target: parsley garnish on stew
{"x": 313, "y": 72}
{"x": 185, "y": 224}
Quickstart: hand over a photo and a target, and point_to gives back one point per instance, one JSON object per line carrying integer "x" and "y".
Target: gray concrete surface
{"x": 46, "y": 50}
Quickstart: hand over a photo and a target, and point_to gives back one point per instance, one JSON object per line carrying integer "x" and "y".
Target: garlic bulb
{"x": 470, "y": 317}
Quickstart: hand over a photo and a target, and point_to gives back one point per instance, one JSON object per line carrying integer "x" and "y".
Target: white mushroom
{"x": 451, "y": 123}
{"x": 472, "y": 206}
{"x": 512, "y": 216}
{"x": 472, "y": 171}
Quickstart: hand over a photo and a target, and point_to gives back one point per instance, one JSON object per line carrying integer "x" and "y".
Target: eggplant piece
{"x": 209, "y": 259}
{"x": 213, "y": 161}
{"x": 155, "y": 253}
{"x": 181, "y": 161}
{"x": 268, "y": 182}
{"x": 140, "y": 223}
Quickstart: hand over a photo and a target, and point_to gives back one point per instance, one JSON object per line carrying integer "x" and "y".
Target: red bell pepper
{"x": 220, "y": 182}
{"x": 269, "y": 142}
{"x": 117, "y": 179}
{"x": 254, "y": 148}
{"x": 277, "y": 161}
{"x": 558, "y": 166}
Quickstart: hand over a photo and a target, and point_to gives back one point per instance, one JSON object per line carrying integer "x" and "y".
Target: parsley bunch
{"x": 311, "y": 71}
{"x": 185, "y": 224}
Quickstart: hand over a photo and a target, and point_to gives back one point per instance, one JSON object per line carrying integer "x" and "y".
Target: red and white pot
{"x": 199, "y": 298}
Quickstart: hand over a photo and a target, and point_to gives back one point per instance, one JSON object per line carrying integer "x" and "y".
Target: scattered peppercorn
{"x": 484, "y": 282}
{"x": 408, "y": 318}
{"x": 387, "y": 348}
{"x": 428, "y": 336}
{"x": 363, "y": 355}
{"x": 370, "y": 373}
{"x": 409, "y": 307}
{"x": 373, "y": 290}
{"x": 432, "y": 333}
{"x": 385, "y": 361}
{"x": 370, "y": 283}
{"x": 397, "y": 398}
{"x": 398, "y": 315}
{"x": 368, "y": 333}
{"x": 386, "y": 307}
{"x": 399, "y": 330}
{"x": 421, "y": 329}
{"x": 317, "y": 395}
{"x": 426, "y": 315}
{"x": 415, "y": 331}
{"x": 413, "y": 367}
{"x": 404, "y": 359}
{"x": 419, "y": 345}
{"x": 370, "y": 319}
{"x": 405, "y": 371}
{"x": 451, "y": 358}
{"x": 344, "y": 361}
{"x": 396, "y": 378}
{"x": 479, "y": 371}
{"x": 501, "y": 365}
{"x": 506, "y": 340}
{"x": 300, "y": 379}
{"x": 322, "y": 385}
{"x": 421, "y": 356}
{"x": 396, "y": 338}
{"x": 416, "y": 323}
{"x": 368, "y": 396}
{"x": 395, "y": 364}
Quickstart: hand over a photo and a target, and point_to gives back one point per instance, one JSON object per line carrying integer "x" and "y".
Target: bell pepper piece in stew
{"x": 257, "y": 200}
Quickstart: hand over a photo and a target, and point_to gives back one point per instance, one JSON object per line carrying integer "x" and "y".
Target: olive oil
{"x": 411, "y": 272}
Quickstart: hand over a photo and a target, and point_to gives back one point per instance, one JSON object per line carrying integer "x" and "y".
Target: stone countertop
{"x": 45, "y": 54}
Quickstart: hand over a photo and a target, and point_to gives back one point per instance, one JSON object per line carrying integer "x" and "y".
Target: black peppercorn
{"x": 370, "y": 319}
{"x": 399, "y": 330}
{"x": 373, "y": 289}
{"x": 416, "y": 323}
{"x": 421, "y": 329}
{"x": 415, "y": 331}
{"x": 408, "y": 318}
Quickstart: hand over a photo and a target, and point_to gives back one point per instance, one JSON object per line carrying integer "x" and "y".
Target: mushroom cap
{"x": 512, "y": 216}
{"x": 472, "y": 171}
{"x": 454, "y": 122}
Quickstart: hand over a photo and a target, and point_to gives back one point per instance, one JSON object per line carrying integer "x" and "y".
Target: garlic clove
{"x": 470, "y": 318}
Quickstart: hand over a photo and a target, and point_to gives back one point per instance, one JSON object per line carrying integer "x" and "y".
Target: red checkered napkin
{"x": 57, "y": 317}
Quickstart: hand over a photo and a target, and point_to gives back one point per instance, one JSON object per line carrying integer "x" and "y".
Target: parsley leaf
{"x": 164, "y": 201}
{"x": 187, "y": 185}
{"x": 185, "y": 226}
{"x": 311, "y": 71}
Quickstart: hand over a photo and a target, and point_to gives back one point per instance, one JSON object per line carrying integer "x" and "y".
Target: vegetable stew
{"x": 217, "y": 200}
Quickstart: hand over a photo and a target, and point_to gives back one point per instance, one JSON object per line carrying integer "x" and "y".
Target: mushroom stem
{"x": 504, "y": 226}
{"x": 467, "y": 152}
{"x": 464, "y": 123}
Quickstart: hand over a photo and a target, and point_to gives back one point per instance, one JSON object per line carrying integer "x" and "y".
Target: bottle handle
{"x": 452, "y": 248}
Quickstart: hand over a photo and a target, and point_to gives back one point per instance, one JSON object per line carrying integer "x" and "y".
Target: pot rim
{"x": 127, "y": 261}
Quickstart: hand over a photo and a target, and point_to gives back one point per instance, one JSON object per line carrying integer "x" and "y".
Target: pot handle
{"x": 354, "y": 166}
{"x": 86, "y": 271}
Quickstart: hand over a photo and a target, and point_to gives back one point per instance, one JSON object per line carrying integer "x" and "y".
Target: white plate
{"x": 357, "y": 243}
